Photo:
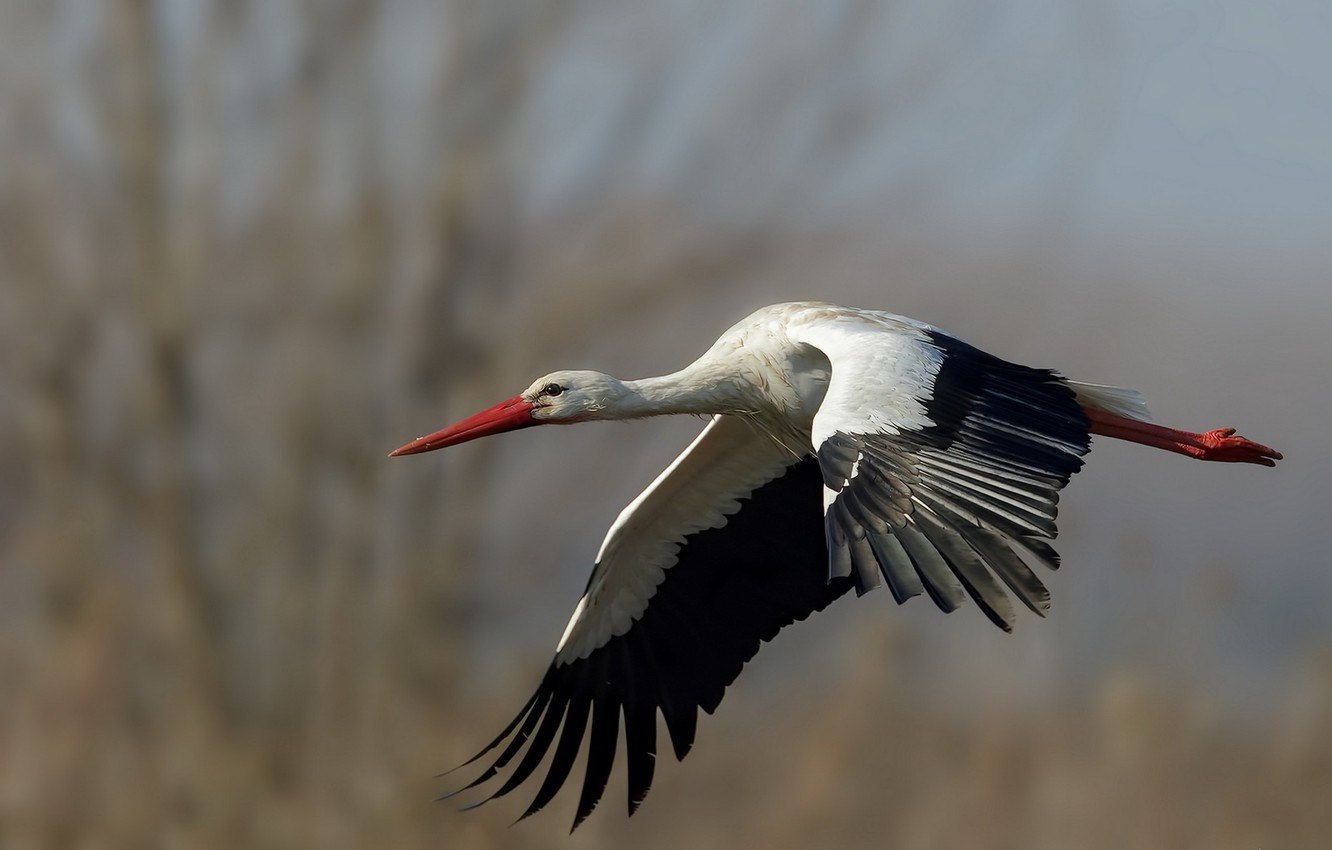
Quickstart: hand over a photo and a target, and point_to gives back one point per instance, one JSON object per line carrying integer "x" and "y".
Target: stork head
{"x": 560, "y": 397}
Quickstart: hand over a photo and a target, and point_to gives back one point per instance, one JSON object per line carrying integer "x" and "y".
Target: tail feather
{"x": 1120, "y": 401}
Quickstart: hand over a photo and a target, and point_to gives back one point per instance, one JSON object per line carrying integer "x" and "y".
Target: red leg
{"x": 1220, "y": 444}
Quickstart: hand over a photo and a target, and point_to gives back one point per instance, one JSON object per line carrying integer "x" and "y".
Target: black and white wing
{"x": 942, "y": 464}
{"x": 724, "y": 549}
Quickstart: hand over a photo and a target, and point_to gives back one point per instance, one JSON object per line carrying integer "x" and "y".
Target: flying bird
{"x": 847, "y": 449}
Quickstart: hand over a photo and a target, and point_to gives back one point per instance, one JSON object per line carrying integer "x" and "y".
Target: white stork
{"x": 846, "y": 449}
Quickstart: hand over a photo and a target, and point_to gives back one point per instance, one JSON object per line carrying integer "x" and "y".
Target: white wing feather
{"x": 884, "y": 369}
{"x": 727, "y": 462}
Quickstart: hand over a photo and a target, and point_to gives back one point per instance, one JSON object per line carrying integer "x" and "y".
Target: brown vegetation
{"x": 227, "y": 621}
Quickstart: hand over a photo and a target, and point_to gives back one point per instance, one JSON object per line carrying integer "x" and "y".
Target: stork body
{"x": 848, "y": 449}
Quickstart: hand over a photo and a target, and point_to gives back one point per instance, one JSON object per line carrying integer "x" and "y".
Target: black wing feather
{"x": 604, "y": 736}
{"x": 531, "y": 714}
{"x": 731, "y": 589}
{"x": 898, "y": 571}
{"x": 566, "y": 751}
{"x": 943, "y": 508}
{"x": 545, "y": 733}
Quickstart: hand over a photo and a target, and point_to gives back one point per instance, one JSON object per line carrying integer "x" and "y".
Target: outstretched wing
{"x": 723, "y": 550}
{"x": 941, "y": 464}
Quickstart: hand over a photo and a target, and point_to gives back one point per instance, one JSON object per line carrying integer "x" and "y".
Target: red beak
{"x": 506, "y": 416}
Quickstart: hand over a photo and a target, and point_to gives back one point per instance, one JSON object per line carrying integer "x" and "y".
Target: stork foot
{"x": 1222, "y": 445}
{"x": 1219, "y": 444}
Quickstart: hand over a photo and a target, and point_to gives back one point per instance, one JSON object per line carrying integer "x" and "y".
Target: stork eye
{"x": 552, "y": 389}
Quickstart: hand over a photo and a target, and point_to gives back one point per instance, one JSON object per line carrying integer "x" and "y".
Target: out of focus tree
{"x": 246, "y": 248}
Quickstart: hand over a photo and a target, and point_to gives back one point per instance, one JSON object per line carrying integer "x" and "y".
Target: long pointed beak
{"x": 506, "y": 416}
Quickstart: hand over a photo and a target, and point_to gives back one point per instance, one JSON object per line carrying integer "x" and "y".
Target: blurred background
{"x": 248, "y": 248}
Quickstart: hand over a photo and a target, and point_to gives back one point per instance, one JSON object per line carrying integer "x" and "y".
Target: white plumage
{"x": 728, "y": 461}
{"x": 847, "y": 449}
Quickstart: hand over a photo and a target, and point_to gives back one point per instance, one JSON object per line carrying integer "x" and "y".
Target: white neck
{"x": 693, "y": 389}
